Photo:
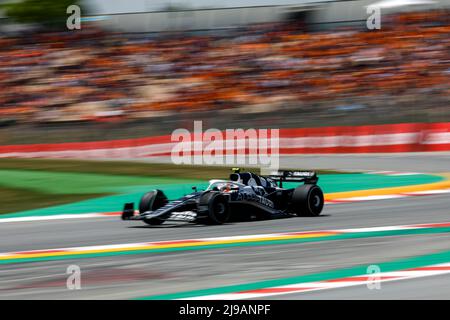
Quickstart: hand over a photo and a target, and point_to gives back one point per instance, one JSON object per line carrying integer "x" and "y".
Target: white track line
{"x": 56, "y": 217}
{"x": 244, "y": 238}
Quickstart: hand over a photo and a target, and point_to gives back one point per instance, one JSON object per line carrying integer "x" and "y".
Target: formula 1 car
{"x": 244, "y": 196}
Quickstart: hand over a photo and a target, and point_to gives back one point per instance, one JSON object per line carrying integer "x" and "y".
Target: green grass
{"x": 75, "y": 183}
{"x": 16, "y": 199}
{"x": 27, "y": 184}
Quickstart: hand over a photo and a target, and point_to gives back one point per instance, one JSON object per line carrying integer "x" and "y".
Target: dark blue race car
{"x": 244, "y": 196}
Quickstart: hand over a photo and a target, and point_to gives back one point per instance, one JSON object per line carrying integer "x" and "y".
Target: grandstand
{"x": 278, "y": 73}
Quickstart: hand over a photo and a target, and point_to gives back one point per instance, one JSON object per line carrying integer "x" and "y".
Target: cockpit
{"x": 224, "y": 186}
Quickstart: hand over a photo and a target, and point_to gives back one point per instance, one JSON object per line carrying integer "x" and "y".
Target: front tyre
{"x": 307, "y": 200}
{"x": 151, "y": 201}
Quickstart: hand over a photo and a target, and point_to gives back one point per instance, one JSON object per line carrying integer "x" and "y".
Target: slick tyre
{"x": 150, "y": 201}
{"x": 307, "y": 200}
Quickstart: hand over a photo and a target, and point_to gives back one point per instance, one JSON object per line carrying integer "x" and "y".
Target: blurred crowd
{"x": 90, "y": 75}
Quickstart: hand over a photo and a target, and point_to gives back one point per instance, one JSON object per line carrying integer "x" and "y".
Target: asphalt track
{"x": 143, "y": 275}
{"x": 434, "y": 288}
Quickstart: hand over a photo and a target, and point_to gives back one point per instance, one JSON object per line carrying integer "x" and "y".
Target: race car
{"x": 244, "y": 196}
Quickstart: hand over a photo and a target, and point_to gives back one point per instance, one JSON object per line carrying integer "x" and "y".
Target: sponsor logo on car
{"x": 244, "y": 196}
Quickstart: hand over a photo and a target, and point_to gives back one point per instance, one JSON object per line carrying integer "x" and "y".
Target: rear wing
{"x": 308, "y": 177}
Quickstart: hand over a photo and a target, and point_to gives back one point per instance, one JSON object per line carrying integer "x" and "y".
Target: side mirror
{"x": 194, "y": 188}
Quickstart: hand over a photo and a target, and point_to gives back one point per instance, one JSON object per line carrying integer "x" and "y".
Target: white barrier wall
{"x": 192, "y": 19}
{"x": 203, "y": 19}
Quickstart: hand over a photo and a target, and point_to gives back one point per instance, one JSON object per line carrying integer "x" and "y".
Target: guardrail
{"x": 409, "y": 137}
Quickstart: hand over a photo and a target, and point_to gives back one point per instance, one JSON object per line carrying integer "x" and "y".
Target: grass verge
{"x": 15, "y": 199}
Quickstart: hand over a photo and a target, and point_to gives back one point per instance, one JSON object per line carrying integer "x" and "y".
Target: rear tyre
{"x": 151, "y": 201}
{"x": 307, "y": 200}
{"x": 218, "y": 208}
